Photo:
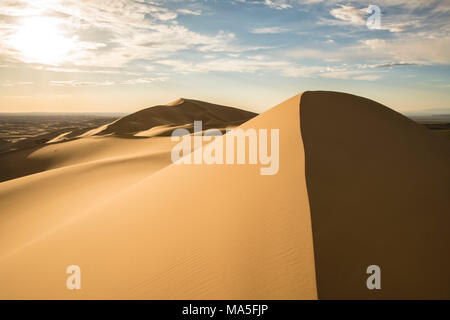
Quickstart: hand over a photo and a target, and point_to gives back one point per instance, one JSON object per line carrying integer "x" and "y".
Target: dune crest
{"x": 175, "y": 102}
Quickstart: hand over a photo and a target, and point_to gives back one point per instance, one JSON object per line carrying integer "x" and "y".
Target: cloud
{"x": 408, "y": 50}
{"x": 76, "y": 83}
{"x": 349, "y": 14}
{"x": 142, "y": 80}
{"x": 368, "y": 77}
{"x": 89, "y": 70}
{"x": 269, "y": 30}
{"x": 338, "y": 54}
{"x": 395, "y": 64}
{"x": 9, "y": 83}
{"x": 374, "y": 43}
{"x": 264, "y": 64}
{"x": 274, "y": 4}
{"x": 278, "y": 4}
{"x": 131, "y": 38}
{"x": 223, "y": 65}
{"x": 345, "y": 72}
{"x": 189, "y": 12}
{"x": 124, "y": 31}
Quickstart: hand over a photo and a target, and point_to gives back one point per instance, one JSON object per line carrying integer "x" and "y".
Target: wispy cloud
{"x": 349, "y": 14}
{"x": 9, "y": 83}
{"x": 395, "y": 64}
{"x": 189, "y": 12}
{"x": 261, "y": 63}
{"x": 269, "y": 30}
{"x": 278, "y": 4}
{"x": 76, "y": 83}
{"x": 409, "y": 50}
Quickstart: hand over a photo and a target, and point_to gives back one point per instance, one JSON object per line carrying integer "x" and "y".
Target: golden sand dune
{"x": 178, "y": 113}
{"x": 140, "y": 227}
{"x": 103, "y": 142}
{"x": 186, "y": 231}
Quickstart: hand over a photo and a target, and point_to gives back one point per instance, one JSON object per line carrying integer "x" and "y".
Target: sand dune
{"x": 178, "y": 113}
{"x": 140, "y": 227}
{"x": 104, "y": 142}
{"x": 184, "y": 232}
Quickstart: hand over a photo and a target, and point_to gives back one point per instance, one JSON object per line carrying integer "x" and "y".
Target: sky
{"x": 123, "y": 55}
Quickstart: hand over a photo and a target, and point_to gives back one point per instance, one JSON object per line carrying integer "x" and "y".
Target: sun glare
{"x": 41, "y": 40}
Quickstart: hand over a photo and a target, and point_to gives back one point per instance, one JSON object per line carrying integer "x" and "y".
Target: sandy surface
{"x": 141, "y": 227}
{"x": 187, "y": 231}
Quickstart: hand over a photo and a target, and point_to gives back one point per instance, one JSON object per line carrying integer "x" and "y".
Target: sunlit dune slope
{"x": 35, "y": 204}
{"x": 187, "y": 231}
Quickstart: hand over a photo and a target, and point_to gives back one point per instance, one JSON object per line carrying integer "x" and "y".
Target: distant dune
{"x": 20, "y": 131}
{"x": 180, "y": 112}
{"x": 358, "y": 184}
{"x": 81, "y": 146}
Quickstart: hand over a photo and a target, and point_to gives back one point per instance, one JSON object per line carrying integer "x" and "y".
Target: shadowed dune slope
{"x": 185, "y": 232}
{"x": 379, "y": 190}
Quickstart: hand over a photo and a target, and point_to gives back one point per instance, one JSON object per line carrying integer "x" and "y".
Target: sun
{"x": 41, "y": 40}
